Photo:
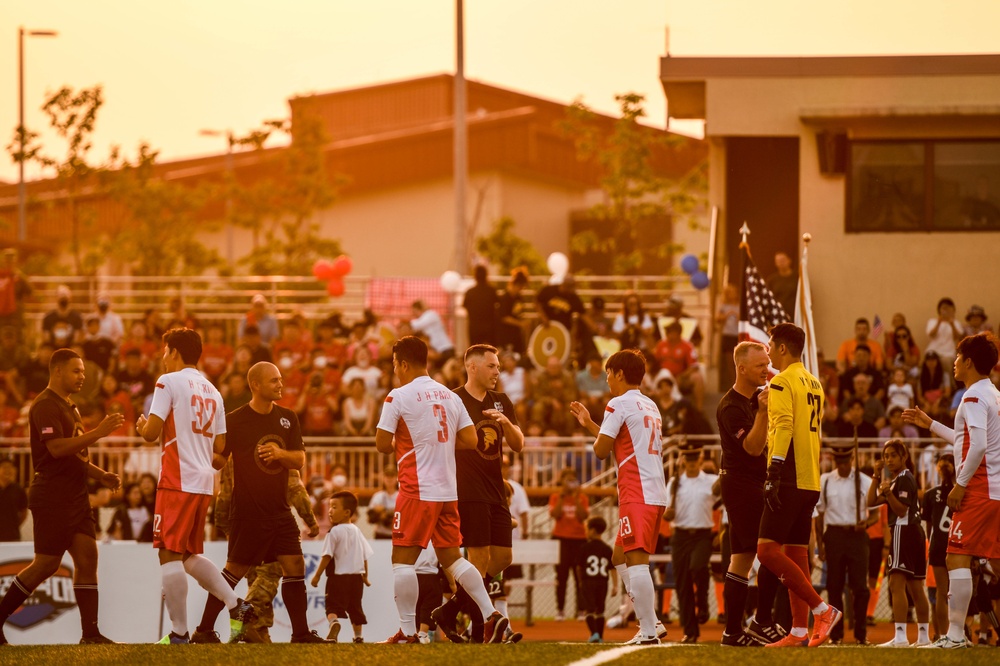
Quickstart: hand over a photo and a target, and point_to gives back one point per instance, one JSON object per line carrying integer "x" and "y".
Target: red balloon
{"x": 335, "y": 287}
{"x": 323, "y": 270}
{"x": 342, "y": 266}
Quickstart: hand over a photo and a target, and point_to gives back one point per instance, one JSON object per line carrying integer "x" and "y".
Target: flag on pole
{"x": 804, "y": 314}
{"x": 877, "y": 327}
{"x": 759, "y": 310}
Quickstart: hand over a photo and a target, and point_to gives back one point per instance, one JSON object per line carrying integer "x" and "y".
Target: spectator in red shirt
{"x": 569, "y": 509}
{"x": 681, "y": 359}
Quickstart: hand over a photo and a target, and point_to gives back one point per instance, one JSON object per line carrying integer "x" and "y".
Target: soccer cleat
{"x": 423, "y": 638}
{"x": 923, "y": 643}
{"x": 446, "y": 623}
{"x": 494, "y": 628}
{"x": 689, "y": 639}
{"x": 512, "y": 637}
{"x": 639, "y": 639}
{"x": 334, "y": 631}
{"x": 240, "y": 617}
{"x": 559, "y": 616}
{"x": 790, "y": 641}
{"x": 823, "y": 624}
{"x": 893, "y": 644}
{"x": 205, "y": 637}
{"x": 741, "y": 639}
{"x": 766, "y": 633}
{"x": 359, "y": 639}
{"x": 174, "y": 639}
{"x": 97, "y": 639}
{"x": 399, "y": 638}
{"x": 311, "y": 637}
{"x": 948, "y": 644}
{"x": 595, "y": 638}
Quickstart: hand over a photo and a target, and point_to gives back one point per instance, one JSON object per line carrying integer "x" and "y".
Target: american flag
{"x": 759, "y": 311}
{"x": 877, "y": 327}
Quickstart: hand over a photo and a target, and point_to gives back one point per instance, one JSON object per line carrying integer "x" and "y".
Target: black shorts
{"x": 593, "y": 595}
{"x": 256, "y": 542}
{"x": 875, "y": 556}
{"x": 343, "y": 597}
{"x": 744, "y": 501}
{"x": 485, "y": 524}
{"x": 428, "y": 598}
{"x": 938, "y": 552}
{"x": 55, "y": 527}
{"x": 907, "y": 551}
{"x": 792, "y": 523}
{"x": 512, "y": 572}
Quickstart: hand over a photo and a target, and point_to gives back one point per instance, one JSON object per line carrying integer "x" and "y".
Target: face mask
{"x": 319, "y": 362}
{"x": 285, "y": 362}
{"x": 63, "y": 302}
{"x": 339, "y": 480}
{"x": 318, "y": 492}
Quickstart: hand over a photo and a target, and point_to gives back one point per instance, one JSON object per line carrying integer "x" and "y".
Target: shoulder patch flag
{"x": 388, "y": 398}
{"x": 48, "y": 431}
{"x": 159, "y": 385}
{"x": 970, "y": 399}
{"x": 610, "y": 409}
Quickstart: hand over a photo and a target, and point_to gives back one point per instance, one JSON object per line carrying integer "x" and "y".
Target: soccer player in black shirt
{"x": 265, "y": 442}
{"x": 60, "y": 507}
{"x": 482, "y": 504}
{"x": 595, "y": 572}
{"x": 937, "y": 520}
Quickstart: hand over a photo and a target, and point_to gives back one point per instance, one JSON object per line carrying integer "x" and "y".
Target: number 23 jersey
{"x": 425, "y": 417}
{"x": 633, "y": 421}
{"x": 192, "y": 413}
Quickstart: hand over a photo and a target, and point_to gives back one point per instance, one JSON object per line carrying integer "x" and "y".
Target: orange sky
{"x": 170, "y": 69}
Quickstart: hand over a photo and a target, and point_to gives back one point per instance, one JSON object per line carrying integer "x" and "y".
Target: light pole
{"x": 230, "y": 251}
{"x": 22, "y": 224}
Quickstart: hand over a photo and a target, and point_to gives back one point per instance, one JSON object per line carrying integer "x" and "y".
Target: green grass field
{"x": 525, "y": 654}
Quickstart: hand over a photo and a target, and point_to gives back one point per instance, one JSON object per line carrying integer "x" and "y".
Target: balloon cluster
{"x": 691, "y": 266}
{"x": 558, "y": 265}
{"x": 333, "y": 273}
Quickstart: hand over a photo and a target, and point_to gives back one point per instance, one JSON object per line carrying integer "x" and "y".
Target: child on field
{"x": 345, "y": 560}
{"x": 595, "y": 572}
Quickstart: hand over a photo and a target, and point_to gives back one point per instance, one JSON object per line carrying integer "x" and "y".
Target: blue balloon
{"x": 689, "y": 264}
{"x": 699, "y": 280}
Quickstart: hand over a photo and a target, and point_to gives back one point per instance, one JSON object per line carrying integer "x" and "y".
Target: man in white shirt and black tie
{"x": 842, "y": 520}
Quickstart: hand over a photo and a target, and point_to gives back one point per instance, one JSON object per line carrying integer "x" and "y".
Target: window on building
{"x": 923, "y": 186}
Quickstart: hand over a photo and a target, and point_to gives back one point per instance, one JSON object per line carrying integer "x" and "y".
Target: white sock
{"x": 799, "y": 632}
{"x": 643, "y": 596}
{"x": 209, "y": 577}
{"x": 821, "y": 608}
{"x": 900, "y": 636}
{"x": 959, "y": 596}
{"x": 923, "y": 632}
{"x": 622, "y": 570}
{"x": 469, "y": 578}
{"x": 175, "y": 592}
{"x": 407, "y": 589}
{"x": 501, "y": 605}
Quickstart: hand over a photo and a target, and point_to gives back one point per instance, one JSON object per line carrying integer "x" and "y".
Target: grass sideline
{"x": 525, "y": 654}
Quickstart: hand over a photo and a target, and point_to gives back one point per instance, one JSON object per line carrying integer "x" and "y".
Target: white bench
{"x": 529, "y": 554}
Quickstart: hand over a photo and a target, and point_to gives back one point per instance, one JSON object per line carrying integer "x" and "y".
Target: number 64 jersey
{"x": 633, "y": 421}
{"x": 424, "y": 418}
{"x": 193, "y": 415}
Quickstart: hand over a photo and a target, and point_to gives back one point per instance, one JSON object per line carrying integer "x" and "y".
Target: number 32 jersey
{"x": 192, "y": 413}
{"x": 425, "y": 417}
{"x": 633, "y": 421}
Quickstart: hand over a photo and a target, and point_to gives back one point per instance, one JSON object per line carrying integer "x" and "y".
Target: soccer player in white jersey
{"x": 187, "y": 412}
{"x": 975, "y": 499}
{"x": 423, "y": 423}
{"x": 630, "y": 432}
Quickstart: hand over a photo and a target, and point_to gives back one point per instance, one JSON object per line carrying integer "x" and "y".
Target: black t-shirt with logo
{"x": 58, "y": 481}
{"x": 736, "y": 414}
{"x": 480, "y": 478}
{"x": 560, "y": 305}
{"x": 260, "y": 489}
{"x": 595, "y": 560}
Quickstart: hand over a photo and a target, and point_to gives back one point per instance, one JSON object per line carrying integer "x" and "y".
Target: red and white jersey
{"x": 980, "y": 408}
{"x": 425, "y": 417}
{"x": 633, "y": 421}
{"x": 192, "y": 413}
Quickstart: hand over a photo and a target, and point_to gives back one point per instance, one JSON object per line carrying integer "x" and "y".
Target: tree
{"x": 506, "y": 250}
{"x": 636, "y": 196}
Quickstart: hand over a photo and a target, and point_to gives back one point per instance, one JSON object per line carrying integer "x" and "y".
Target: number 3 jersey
{"x": 633, "y": 421}
{"x": 192, "y": 413}
{"x": 424, "y": 417}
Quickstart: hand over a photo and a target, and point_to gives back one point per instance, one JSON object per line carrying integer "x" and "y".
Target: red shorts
{"x": 974, "y": 528}
{"x": 416, "y": 522}
{"x": 638, "y": 526}
{"x": 179, "y": 521}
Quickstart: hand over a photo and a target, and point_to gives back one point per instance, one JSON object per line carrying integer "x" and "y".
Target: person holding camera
{"x": 382, "y": 505}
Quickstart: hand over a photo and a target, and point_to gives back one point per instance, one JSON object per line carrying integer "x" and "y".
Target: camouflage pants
{"x": 263, "y": 581}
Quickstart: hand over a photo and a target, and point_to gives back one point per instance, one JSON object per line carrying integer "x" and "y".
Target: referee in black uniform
{"x": 742, "y": 420}
{"x": 60, "y": 506}
{"x": 265, "y": 442}
{"x": 482, "y": 501}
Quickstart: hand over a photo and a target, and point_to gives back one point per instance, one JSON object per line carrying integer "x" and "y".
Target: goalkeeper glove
{"x": 773, "y": 485}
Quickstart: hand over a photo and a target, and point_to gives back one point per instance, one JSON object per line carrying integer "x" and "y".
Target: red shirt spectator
{"x": 675, "y": 355}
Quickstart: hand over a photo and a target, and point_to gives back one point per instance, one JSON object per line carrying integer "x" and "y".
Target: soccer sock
{"x": 468, "y": 577}
{"x": 86, "y": 599}
{"x": 800, "y": 607}
{"x": 591, "y": 627}
{"x": 175, "y": 590}
{"x": 643, "y": 595}
{"x": 959, "y": 596}
{"x": 407, "y": 589}
{"x": 789, "y": 571}
{"x": 501, "y": 605}
{"x": 900, "y": 636}
{"x": 16, "y": 594}
{"x": 622, "y": 570}
{"x": 767, "y": 590}
{"x": 923, "y": 632}
{"x": 209, "y": 577}
{"x": 214, "y": 605}
{"x": 735, "y": 591}
{"x": 599, "y": 622}
{"x": 293, "y": 593}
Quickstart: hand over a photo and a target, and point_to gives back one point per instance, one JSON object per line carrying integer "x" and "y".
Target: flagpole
{"x": 803, "y": 310}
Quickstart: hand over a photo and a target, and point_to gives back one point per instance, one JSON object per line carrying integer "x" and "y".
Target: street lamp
{"x": 22, "y": 225}
{"x": 230, "y": 252}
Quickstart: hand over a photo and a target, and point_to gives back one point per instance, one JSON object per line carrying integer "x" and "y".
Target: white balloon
{"x": 450, "y": 281}
{"x": 558, "y": 263}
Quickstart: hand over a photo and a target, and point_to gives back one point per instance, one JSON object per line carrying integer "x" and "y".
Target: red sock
{"x": 789, "y": 572}
{"x": 800, "y": 607}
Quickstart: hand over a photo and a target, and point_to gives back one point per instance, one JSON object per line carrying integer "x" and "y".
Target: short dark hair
{"x": 481, "y": 274}
{"x": 862, "y": 347}
{"x": 981, "y": 349}
{"x": 597, "y": 523}
{"x": 632, "y": 364}
{"x": 479, "y": 350}
{"x": 61, "y": 357}
{"x": 349, "y": 499}
{"x": 945, "y": 301}
{"x": 674, "y": 326}
{"x": 861, "y": 320}
{"x": 186, "y": 341}
{"x": 519, "y": 276}
{"x": 852, "y": 402}
{"x": 411, "y": 349}
{"x": 791, "y": 336}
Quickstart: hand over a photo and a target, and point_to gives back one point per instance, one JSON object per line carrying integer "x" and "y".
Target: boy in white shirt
{"x": 345, "y": 560}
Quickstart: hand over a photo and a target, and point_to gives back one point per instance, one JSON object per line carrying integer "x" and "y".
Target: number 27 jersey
{"x": 633, "y": 421}
{"x": 193, "y": 414}
{"x": 424, "y": 418}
